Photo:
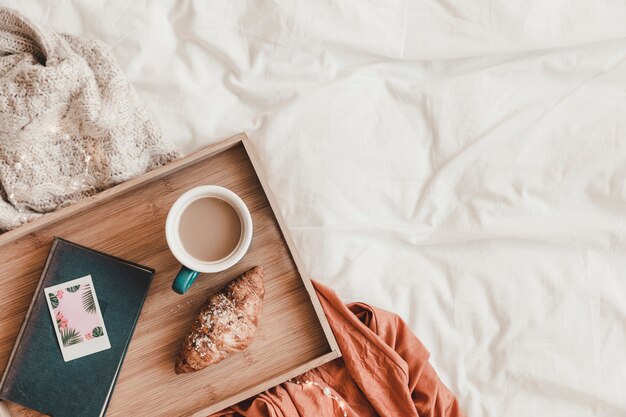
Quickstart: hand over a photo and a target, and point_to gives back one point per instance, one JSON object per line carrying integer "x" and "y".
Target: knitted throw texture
{"x": 70, "y": 123}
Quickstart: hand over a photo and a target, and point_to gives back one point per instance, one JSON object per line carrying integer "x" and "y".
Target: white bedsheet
{"x": 462, "y": 164}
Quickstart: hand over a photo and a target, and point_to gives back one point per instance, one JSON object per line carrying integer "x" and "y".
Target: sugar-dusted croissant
{"x": 226, "y": 324}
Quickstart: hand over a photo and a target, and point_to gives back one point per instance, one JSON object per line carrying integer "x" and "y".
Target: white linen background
{"x": 462, "y": 164}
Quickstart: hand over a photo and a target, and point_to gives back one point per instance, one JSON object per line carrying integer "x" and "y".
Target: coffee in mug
{"x": 208, "y": 229}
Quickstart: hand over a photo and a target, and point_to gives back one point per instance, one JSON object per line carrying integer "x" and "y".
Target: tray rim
{"x": 172, "y": 167}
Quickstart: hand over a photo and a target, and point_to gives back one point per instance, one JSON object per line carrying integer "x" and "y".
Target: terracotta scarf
{"x": 384, "y": 371}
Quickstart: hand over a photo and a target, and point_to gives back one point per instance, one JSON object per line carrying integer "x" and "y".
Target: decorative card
{"x": 77, "y": 319}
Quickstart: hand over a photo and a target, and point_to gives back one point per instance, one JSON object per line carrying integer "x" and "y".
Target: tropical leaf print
{"x": 70, "y": 337}
{"x": 73, "y": 288}
{"x": 97, "y": 332}
{"x": 53, "y": 300}
{"x": 89, "y": 304}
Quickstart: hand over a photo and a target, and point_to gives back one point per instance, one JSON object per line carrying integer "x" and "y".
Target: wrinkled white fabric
{"x": 462, "y": 164}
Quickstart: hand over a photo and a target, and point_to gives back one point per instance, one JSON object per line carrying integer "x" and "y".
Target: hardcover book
{"x": 64, "y": 370}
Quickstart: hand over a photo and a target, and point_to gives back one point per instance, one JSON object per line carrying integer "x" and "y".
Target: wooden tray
{"x": 128, "y": 221}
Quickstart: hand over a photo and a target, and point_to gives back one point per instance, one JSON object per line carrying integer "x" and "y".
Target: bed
{"x": 463, "y": 165}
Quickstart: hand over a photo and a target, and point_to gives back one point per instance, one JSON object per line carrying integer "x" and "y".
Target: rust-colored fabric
{"x": 384, "y": 371}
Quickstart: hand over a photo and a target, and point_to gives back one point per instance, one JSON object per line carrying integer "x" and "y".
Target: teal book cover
{"x": 37, "y": 375}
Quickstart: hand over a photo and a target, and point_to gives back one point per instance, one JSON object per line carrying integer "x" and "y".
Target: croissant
{"x": 226, "y": 324}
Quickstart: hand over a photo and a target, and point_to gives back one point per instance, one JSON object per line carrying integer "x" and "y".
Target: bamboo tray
{"x": 128, "y": 221}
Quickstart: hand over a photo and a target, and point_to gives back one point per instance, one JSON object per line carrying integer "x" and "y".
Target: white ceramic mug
{"x": 192, "y": 266}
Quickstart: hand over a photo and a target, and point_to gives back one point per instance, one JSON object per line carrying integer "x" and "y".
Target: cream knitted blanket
{"x": 70, "y": 123}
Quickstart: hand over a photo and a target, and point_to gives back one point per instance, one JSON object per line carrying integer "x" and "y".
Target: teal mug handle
{"x": 184, "y": 279}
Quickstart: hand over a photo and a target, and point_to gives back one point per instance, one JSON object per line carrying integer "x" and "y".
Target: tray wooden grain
{"x": 128, "y": 221}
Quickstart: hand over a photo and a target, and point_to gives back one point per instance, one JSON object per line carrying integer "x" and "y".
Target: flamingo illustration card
{"x": 77, "y": 318}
